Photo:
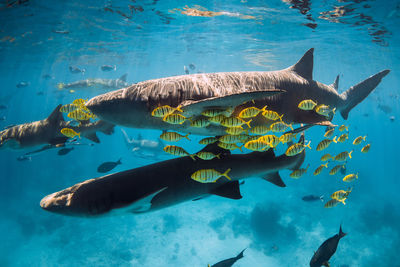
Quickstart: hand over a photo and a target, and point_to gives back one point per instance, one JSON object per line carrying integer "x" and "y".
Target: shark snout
{"x": 103, "y": 104}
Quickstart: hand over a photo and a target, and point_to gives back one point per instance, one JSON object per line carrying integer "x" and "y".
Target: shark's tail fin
{"x": 359, "y": 92}
{"x": 341, "y": 233}
{"x": 240, "y": 255}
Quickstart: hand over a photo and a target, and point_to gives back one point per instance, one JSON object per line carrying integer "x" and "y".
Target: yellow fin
{"x": 226, "y": 174}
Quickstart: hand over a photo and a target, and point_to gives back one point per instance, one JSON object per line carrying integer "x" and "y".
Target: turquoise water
{"x": 153, "y": 39}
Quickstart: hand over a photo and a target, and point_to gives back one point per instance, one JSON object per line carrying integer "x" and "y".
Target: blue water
{"x": 156, "y": 40}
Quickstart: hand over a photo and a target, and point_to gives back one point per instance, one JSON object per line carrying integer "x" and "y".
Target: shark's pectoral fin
{"x": 229, "y": 190}
{"x": 144, "y": 204}
{"x": 92, "y": 137}
{"x": 58, "y": 140}
{"x": 191, "y": 107}
{"x": 274, "y": 178}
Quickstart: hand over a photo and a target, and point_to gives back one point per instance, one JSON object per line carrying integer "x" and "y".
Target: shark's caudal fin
{"x": 55, "y": 116}
{"x": 341, "y": 233}
{"x": 240, "y": 255}
{"x": 359, "y": 92}
{"x": 304, "y": 67}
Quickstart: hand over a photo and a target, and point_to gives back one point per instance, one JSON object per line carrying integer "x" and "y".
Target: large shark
{"x": 48, "y": 131}
{"x": 281, "y": 91}
{"x": 167, "y": 183}
{"x": 96, "y": 84}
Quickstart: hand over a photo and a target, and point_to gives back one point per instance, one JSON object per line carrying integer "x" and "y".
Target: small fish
{"x": 257, "y": 145}
{"x": 209, "y": 175}
{"x": 174, "y": 119}
{"x": 108, "y": 67}
{"x": 358, "y": 140}
{"x": 161, "y": 112}
{"x": 68, "y": 132}
{"x": 173, "y": 136}
{"x": 325, "y": 143}
{"x": 192, "y": 66}
{"x": 200, "y": 123}
{"x": 79, "y": 102}
{"x": 271, "y": 115}
{"x": 288, "y": 137}
{"x": 280, "y": 126}
{"x": 335, "y": 169}
{"x": 47, "y": 77}
{"x": 343, "y": 128}
{"x": 24, "y": 158}
{"x": 259, "y": 129}
{"x": 320, "y": 168}
{"x": 231, "y": 139}
{"x": 270, "y": 139}
{"x": 326, "y": 157}
{"x": 250, "y": 112}
{"x": 234, "y": 122}
{"x": 218, "y": 119}
{"x": 350, "y": 177}
{"x": 235, "y": 130}
{"x": 79, "y": 115}
{"x": 331, "y": 203}
{"x": 296, "y": 174}
{"x": 64, "y": 151}
{"x": 324, "y": 110}
{"x": 185, "y": 69}
{"x": 307, "y": 104}
{"x": 229, "y": 146}
{"x": 177, "y": 151}
{"x": 75, "y": 70}
{"x": 329, "y": 133}
{"x": 108, "y": 166}
{"x": 343, "y": 156}
{"x": 342, "y": 138}
{"x": 68, "y": 108}
{"x": 296, "y": 149}
{"x": 366, "y": 148}
{"x": 207, "y": 155}
{"x": 310, "y": 198}
{"x": 22, "y": 84}
{"x": 212, "y": 112}
{"x": 341, "y": 195}
{"x": 208, "y": 140}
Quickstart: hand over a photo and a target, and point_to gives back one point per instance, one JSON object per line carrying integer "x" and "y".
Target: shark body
{"x": 96, "y": 84}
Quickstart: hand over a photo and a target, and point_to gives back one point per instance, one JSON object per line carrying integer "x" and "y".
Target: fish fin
{"x": 56, "y": 116}
{"x": 214, "y": 148}
{"x": 58, "y": 140}
{"x": 341, "y": 233}
{"x": 144, "y": 204}
{"x": 359, "y": 92}
{"x": 123, "y": 77}
{"x": 191, "y": 107}
{"x": 274, "y": 178}
{"x": 304, "y": 67}
{"x": 119, "y": 161}
{"x": 229, "y": 190}
{"x": 335, "y": 84}
{"x": 240, "y": 255}
{"x": 92, "y": 137}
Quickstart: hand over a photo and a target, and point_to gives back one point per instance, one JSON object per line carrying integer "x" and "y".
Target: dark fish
{"x": 47, "y": 77}
{"x": 108, "y": 166}
{"x": 310, "y": 198}
{"x": 192, "y": 66}
{"x": 229, "y": 262}
{"x": 64, "y": 151}
{"x": 186, "y": 69}
{"x": 40, "y": 93}
{"x": 61, "y": 31}
{"x": 75, "y": 70}
{"x": 3, "y": 106}
{"x": 385, "y": 108}
{"x": 24, "y": 158}
{"x": 326, "y": 250}
{"x": 392, "y": 118}
{"x": 22, "y": 84}
{"x": 108, "y": 67}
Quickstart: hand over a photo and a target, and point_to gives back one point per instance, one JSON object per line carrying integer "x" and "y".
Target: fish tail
{"x": 350, "y": 153}
{"x": 280, "y": 117}
{"x": 326, "y": 165}
{"x": 308, "y": 145}
{"x": 334, "y": 111}
{"x": 322, "y": 198}
{"x": 291, "y": 127}
{"x": 240, "y": 255}
{"x": 178, "y": 108}
{"x": 187, "y": 137}
{"x": 357, "y": 93}
{"x": 264, "y": 108}
{"x": 248, "y": 123}
{"x": 226, "y": 174}
{"x": 218, "y": 156}
{"x": 334, "y": 139}
{"x": 192, "y": 156}
{"x": 119, "y": 161}
{"x": 60, "y": 86}
{"x": 240, "y": 147}
{"x": 79, "y": 135}
{"x": 364, "y": 137}
{"x": 341, "y": 233}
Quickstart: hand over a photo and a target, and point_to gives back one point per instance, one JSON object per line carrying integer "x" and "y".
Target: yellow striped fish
{"x": 68, "y": 108}
{"x": 270, "y": 139}
{"x": 341, "y": 195}
{"x": 217, "y": 119}
{"x": 174, "y": 119}
{"x": 296, "y": 149}
{"x": 256, "y": 145}
{"x": 325, "y": 143}
{"x": 68, "y": 132}
{"x": 212, "y": 112}
{"x": 296, "y": 174}
{"x": 320, "y": 168}
{"x": 79, "y": 102}
{"x": 307, "y": 104}
{"x": 206, "y": 155}
{"x": 326, "y": 157}
{"x": 234, "y": 122}
{"x": 200, "y": 123}
{"x": 177, "y": 151}
{"x": 366, "y": 148}
{"x": 235, "y": 130}
{"x": 271, "y": 115}
{"x": 209, "y": 175}
{"x": 250, "y": 112}
{"x": 229, "y": 146}
{"x": 329, "y": 133}
{"x": 259, "y": 129}
{"x": 335, "y": 169}
{"x": 342, "y": 156}
{"x": 331, "y": 203}
{"x": 288, "y": 137}
{"x": 173, "y": 136}
{"x": 280, "y": 126}
{"x": 358, "y": 140}
{"x": 343, "y": 137}
{"x": 208, "y": 140}
{"x": 324, "y": 110}
{"x": 350, "y": 177}
{"x": 343, "y": 127}
{"x": 79, "y": 115}
{"x": 161, "y": 112}
{"x": 231, "y": 139}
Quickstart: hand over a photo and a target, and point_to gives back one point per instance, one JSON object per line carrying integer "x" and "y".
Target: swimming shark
{"x": 48, "y": 131}
{"x": 280, "y": 90}
{"x": 228, "y": 262}
{"x": 167, "y": 183}
{"x": 143, "y": 147}
{"x": 96, "y": 84}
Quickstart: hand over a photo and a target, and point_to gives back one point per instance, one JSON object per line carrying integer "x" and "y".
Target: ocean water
{"x": 40, "y": 40}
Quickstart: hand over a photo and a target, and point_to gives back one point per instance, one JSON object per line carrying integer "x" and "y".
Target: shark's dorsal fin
{"x": 229, "y": 190}
{"x": 56, "y": 116}
{"x": 335, "y": 84}
{"x": 274, "y": 178}
{"x": 304, "y": 67}
{"x": 92, "y": 137}
{"x": 214, "y": 148}
{"x": 123, "y": 77}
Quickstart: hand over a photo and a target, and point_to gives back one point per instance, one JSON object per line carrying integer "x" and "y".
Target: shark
{"x": 280, "y": 90}
{"x": 143, "y": 147}
{"x": 228, "y": 262}
{"x": 48, "y": 131}
{"x": 96, "y": 84}
{"x": 166, "y": 183}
